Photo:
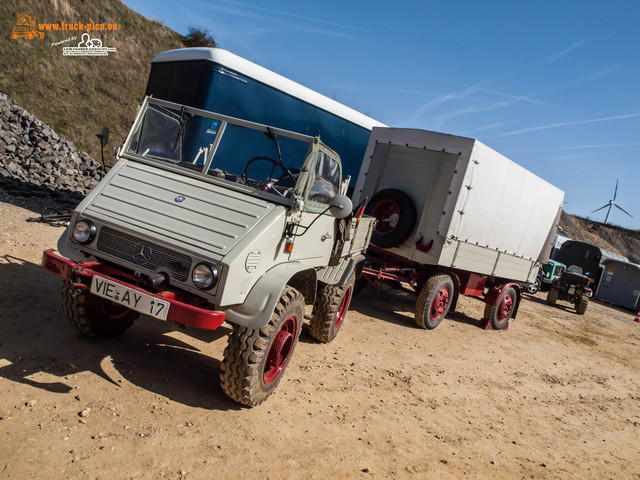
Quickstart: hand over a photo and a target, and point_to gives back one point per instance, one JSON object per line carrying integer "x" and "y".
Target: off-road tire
{"x": 391, "y": 234}
{"x": 94, "y": 316}
{"x": 434, "y": 301}
{"x": 500, "y": 313}
{"x": 581, "y": 304}
{"x": 552, "y": 296}
{"x": 330, "y": 310}
{"x": 247, "y": 372}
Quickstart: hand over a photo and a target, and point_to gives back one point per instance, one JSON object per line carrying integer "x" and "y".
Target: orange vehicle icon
{"x": 26, "y": 27}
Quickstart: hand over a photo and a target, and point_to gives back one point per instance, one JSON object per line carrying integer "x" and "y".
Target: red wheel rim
{"x": 344, "y": 306}
{"x": 280, "y": 351}
{"x": 440, "y": 303}
{"x": 387, "y": 212}
{"x": 505, "y": 308}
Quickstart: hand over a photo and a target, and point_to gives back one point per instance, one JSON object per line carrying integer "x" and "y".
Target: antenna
{"x": 612, "y": 203}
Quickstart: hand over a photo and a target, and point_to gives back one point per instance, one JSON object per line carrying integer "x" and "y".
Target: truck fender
{"x": 494, "y": 294}
{"x": 355, "y": 264}
{"x": 258, "y": 307}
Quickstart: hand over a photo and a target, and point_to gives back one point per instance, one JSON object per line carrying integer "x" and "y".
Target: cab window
{"x": 325, "y": 180}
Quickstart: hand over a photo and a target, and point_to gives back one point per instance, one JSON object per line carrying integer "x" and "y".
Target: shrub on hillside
{"x": 199, "y": 37}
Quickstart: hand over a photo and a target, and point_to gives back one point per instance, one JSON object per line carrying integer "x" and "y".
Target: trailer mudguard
{"x": 258, "y": 307}
{"x": 493, "y": 295}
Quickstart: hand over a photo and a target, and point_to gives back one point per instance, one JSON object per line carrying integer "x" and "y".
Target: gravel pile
{"x": 36, "y": 162}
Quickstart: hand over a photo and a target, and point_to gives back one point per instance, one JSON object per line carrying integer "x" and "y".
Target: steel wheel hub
{"x": 387, "y": 212}
{"x": 440, "y": 303}
{"x": 279, "y": 351}
{"x": 505, "y": 308}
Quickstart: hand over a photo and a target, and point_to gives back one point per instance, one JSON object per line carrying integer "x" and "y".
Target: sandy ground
{"x": 557, "y": 395}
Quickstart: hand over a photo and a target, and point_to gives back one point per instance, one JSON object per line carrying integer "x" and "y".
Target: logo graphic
{"x": 88, "y": 46}
{"x": 26, "y": 27}
{"x": 180, "y": 198}
{"x": 142, "y": 253}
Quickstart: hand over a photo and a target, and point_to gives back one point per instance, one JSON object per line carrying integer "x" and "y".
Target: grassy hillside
{"x": 78, "y": 96}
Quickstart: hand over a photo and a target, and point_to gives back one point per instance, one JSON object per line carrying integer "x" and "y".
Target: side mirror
{"x": 340, "y": 206}
{"x": 103, "y": 136}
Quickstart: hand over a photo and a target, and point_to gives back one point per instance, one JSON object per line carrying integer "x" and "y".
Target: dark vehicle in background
{"x": 572, "y": 286}
{"x": 584, "y": 255}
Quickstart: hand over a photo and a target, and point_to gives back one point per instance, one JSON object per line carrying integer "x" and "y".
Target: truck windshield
{"x": 213, "y": 147}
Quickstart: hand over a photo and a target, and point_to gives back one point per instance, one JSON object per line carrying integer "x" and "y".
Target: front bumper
{"x": 180, "y": 312}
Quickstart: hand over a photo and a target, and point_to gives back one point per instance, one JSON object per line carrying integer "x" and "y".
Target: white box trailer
{"x": 450, "y": 206}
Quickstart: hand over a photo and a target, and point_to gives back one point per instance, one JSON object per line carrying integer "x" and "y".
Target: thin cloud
{"x": 486, "y": 127}
{"x": 522, "y": 98}
{"x": 566, "y": 51}
{"x": 440, "y": 119}
{"x": 566, "y": 124}
{"x": 468, "y": 95}
{"x": 300, "y": 17}
{"x": 436, "y": 102}
{"x": 576, "y": 147}
{"x": 272, "y": 18}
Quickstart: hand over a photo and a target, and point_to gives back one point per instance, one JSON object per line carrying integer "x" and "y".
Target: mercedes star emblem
{"x": 142, "y": 253}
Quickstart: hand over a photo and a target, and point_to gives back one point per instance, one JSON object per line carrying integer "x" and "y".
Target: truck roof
{"x": 263, "y": 75}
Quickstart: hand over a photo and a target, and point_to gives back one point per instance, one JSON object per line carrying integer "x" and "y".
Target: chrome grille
{"x": 144, "y": 254}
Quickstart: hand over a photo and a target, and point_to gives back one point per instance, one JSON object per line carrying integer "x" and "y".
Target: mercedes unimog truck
{"x": 207, "y": 218}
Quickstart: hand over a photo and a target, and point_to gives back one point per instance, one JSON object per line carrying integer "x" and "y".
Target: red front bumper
{"x": 179, "y": 312}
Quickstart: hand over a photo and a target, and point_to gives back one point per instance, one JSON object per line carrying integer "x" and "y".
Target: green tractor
{"x": 549, "y": 271}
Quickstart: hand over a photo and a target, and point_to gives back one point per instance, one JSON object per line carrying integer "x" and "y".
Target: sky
{"x": 552, "y": 85}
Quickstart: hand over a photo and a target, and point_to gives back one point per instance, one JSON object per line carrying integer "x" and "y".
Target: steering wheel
{"x": 262, "y": 185}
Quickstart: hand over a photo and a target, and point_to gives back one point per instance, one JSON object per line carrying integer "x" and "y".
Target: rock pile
{"x": 36, "y": 161}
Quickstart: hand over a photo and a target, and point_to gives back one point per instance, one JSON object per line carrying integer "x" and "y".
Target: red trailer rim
{"x": 280, "y": 351}
{"x": 505, "y": 308}
{"x": 387, "y": 212}
{"x": 344, "y": 306}
{"x": 440, "y": 303}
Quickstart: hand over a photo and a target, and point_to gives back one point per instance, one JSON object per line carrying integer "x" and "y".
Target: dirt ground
{"x": 557, "y": 395}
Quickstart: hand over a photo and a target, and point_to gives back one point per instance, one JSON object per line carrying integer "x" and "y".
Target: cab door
{"x": 319, "y": 183}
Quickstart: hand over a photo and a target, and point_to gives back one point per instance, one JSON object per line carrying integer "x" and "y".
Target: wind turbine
{"x": 612, "y": 203}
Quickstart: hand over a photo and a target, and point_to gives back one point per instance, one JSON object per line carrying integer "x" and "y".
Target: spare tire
{"x": 396, "y": 215}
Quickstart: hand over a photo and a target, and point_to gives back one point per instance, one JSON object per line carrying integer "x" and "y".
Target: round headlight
{"x": 204, "y": 276}
{"x": 84, "y": 231}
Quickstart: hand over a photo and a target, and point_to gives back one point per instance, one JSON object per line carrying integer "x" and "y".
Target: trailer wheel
{"x": 330, "y": 310}
{"x": 255, "y": 359}
{"x": 552, "y": 296}
{"x": 500, "y": 313}
{"x": 91, "y": 315}
{"x": 581, "y": 304}
{"x": 396, "y": 215}
{"x": 434, "y": 301}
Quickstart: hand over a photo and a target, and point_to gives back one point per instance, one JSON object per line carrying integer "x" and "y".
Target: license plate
{"x": 135, "y": 300}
